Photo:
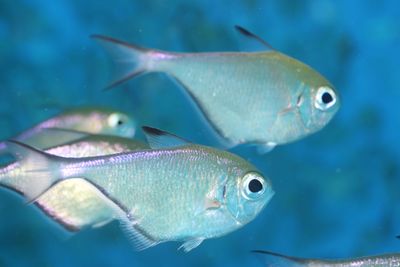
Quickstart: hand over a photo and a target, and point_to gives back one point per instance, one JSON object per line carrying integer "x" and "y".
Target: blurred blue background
{"x": 337, "y": 192}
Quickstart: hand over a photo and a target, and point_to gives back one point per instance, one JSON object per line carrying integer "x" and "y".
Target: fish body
{"x": 92, "y": 120}
{"x": 183, "y": 193}
{"x": 75, "y": 203}
{"x": 264, "y": 98}
{"x": 272, "y": 259}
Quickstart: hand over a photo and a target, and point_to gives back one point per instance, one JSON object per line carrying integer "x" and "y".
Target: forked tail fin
{"x": 33, "y": 172}
{"x": 131, "y": 60}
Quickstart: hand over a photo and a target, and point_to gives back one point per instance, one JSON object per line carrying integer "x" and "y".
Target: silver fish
{"x": 176, "y": 191}
{"x": 272, "y": 259}
{"x": 265, "y": 98}
{"x": 94, "y": 120}
{"x": 75, "y": 203}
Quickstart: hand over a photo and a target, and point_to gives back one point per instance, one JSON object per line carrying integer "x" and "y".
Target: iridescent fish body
{"x": 265, "y": 98}
{"x": 272, "y": 259}
{"x": 176, "y": 191}
{"x": 93, "y": 120}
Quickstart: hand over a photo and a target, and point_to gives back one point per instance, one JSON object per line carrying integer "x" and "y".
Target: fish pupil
{"x": 327, "y": 98}
{"x": 120, "y": 122}
{"x": 255, "y": 186}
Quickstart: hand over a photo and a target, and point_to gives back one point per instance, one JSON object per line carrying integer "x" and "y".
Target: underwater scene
{"x": 199, "y": 133}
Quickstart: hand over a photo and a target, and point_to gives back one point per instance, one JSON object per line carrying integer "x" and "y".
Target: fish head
{"x": 320, "y": 105}
{"x": 120, "y": 124}
{"x": 96, "y": 120}
{"x": 247, "y": 195}
{"x": 317, "y": 101}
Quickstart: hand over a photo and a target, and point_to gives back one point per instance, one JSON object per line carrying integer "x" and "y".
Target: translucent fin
{"x": 191, "y": 244}
{"x": 76, "y": 204}
{"x": 249, "y": 34}
{"x": 212, "y": 204}
{"x": 131, "y": 60}
{"x": 277, "y": 260}
{"x": 37, "y": 169}
{"x": 140, "y": 239}
{"x": 158, "y": 139}
{"x": 265, "y": 148}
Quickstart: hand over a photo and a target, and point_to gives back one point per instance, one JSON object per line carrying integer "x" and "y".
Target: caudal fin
{"x": 131, "y": 60}
{"x": 34, "y": 171}
{"x": 272, "y": 259}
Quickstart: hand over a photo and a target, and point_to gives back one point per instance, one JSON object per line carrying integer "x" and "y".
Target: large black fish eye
{"x": 326, "y": 98}
{"x": 255, "y": 186}
{"x": 120, "y": 122}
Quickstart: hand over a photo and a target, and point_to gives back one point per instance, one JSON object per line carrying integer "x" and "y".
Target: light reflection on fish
{"x": 265, "y": 98}
{"x": 94, "y": 120}
{"x": 176, "y": 191}
{"x": 75, "y": 203}
{"x": 271, "y": 259}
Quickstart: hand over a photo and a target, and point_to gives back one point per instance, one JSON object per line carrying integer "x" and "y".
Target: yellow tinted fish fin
{"x": 191, "y": 244}
{"x": 274, "y": 259}
{"x": 37, "y": 168}
{"x": 137, "y": 236}
{"x": 75, "y": 204}
{"x": 131, "y": 60}
{"x": 33, "y": 200}
{"x": 158, "y": 139}
{"x": 61, "y": 221}
{"x": 249, "y": 34}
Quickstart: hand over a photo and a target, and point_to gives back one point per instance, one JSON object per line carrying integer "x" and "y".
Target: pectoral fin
{"x": 191, "y": 244}
{"x": 265, "y": 148}
{"x": 212, "y": 204}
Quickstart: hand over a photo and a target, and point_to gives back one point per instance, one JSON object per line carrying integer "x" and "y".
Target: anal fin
{"x": 76, "y": 204}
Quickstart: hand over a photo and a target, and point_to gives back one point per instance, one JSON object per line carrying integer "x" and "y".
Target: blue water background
{"x": 337, "y": 192}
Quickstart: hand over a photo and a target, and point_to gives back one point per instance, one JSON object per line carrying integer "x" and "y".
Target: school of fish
{"x": 86, "y": 167}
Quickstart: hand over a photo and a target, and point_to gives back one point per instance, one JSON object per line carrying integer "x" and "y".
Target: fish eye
{"x": 115, "y": 120}
{"x": 253, "y": 185}
{"x": 325, "y": 98}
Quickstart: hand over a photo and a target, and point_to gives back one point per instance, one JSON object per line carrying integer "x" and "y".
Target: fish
{"x": 76, "y": 204}
{"x": 277, "y": 260}
{"x": 175, "y": 191}
{"x": 262, "y": 98}
{"x": 92, "y": 120}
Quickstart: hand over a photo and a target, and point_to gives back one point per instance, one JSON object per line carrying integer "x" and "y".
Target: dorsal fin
{"x": 251, "y": 35}
{"x": 158, "y": 139}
